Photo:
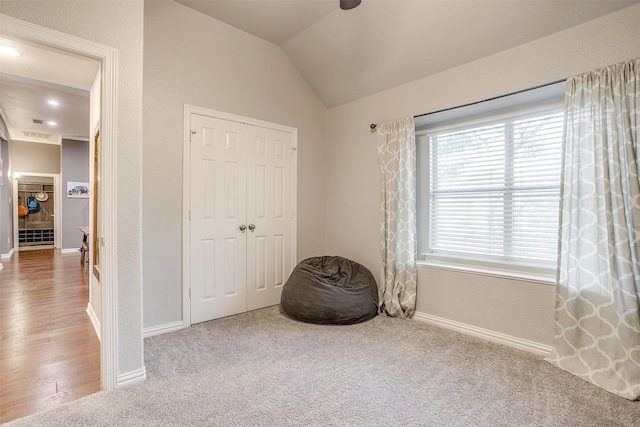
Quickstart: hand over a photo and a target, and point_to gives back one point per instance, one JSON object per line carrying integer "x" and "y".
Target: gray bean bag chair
{"x": 330, "y": 290}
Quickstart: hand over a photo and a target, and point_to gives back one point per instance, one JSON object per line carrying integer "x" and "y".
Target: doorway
{"x": 37, "y": 224}
{"x": 11, "y": 28}
{"x": 51, "y": 347}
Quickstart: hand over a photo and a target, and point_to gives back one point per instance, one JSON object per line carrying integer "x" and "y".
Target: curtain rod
{"x": 373, "y": 126}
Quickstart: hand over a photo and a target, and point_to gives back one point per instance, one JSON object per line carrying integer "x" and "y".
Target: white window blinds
{"x": 494, "y": 187}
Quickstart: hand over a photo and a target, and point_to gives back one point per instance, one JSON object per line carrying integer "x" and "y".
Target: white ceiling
{"x": 38, "y": 75}
{"x": 347, "y": 55}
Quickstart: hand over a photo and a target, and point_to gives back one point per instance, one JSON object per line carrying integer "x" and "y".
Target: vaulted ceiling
{"x": 347, "y": 55}
{"x": 343, "y": 55}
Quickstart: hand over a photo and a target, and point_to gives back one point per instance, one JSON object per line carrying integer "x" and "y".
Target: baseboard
{"x": 70, "y": 250}
{"x": 94, "y": 321}
{"x": 162, "y": 329}
{"x": 7, "y": 256}
{"x": 489, "y": 335}
{"x": 36, "y": 248}
{"x": 132, "y": 377}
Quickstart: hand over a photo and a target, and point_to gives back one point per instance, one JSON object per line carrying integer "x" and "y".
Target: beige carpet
{"x": 262, "y": 369}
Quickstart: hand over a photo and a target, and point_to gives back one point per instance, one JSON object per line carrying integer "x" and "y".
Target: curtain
{"x": 597, "y": 323}
{"x": 397, "y": 160}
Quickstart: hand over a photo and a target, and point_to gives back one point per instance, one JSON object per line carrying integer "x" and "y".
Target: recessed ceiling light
{"x": 8, "y": 51}
{"x": 53, "y": 102}
{"x": 52, "y": 123}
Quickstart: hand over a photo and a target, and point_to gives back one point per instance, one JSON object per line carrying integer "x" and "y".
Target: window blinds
{"x": 494, "y": 187}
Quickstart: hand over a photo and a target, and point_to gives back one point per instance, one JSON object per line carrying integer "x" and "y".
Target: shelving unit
{"x": 36, "y": 229}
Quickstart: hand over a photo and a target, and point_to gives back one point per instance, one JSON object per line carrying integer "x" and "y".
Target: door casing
{"x": 108, "y": 57}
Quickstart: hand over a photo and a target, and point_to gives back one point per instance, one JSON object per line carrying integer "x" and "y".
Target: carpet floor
{"x": 263, "y": 369}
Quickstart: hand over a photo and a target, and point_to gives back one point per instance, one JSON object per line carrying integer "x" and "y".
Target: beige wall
{"x": 517, "y": 308}
{"x": 190, "y": 58}
{"x": 34, "y": 157}
{"x": 117, "y": 24}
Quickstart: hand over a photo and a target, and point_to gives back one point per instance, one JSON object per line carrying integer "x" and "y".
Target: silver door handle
{"x": 242, "y": 227}
{"x": 252, "y": 227}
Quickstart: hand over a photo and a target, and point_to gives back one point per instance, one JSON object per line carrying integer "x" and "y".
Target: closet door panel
{"x": 270, "y": 210}
{"x": 218, "y": 209}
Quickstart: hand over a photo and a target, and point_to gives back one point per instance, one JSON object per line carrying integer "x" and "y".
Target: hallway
{"x": 49, "y": 352}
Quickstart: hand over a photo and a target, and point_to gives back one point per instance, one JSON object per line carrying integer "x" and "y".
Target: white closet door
{"x": 270, "y": 185}
{"x": 218, "y": 210}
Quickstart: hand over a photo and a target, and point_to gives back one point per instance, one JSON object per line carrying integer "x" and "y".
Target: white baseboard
{"x": 162, "y": 329}
{"x": 94, "y": 321}
{"x": 132, "y": 377}
{"x": 7, "y": 256}
{"x": 70, "y": 250}
{"x": 489, "y": 335}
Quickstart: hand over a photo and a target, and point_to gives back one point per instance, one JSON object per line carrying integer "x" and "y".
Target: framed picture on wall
{"x": 77, "y": 190}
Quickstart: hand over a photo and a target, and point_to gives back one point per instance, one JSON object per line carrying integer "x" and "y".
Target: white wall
{"x": 190, "y": 58}
{"x": 513, "y": 307}
{"x": 117, "y": 24}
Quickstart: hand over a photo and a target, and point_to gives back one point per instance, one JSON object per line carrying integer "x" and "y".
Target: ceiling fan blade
{"x": 349, "y": 4}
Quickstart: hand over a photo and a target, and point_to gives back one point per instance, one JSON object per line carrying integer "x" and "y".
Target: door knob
{"x": 252, "y": 227}
{"x": 242, "y": 227}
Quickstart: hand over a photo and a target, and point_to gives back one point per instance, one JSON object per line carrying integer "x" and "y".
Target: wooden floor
{"x": 49, "y": 351}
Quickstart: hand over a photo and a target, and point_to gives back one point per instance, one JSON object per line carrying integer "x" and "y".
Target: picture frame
{"x": 77, "y": 190}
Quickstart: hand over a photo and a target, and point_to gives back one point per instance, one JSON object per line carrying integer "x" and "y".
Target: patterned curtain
{"x": 597, "y": 328}
{"x": 397, "y": 160}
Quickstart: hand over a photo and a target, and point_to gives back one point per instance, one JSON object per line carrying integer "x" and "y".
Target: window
{"x": 489, "y": 191}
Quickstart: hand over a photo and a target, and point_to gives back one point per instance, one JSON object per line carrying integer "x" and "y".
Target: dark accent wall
{"x": 6, "y": 219}
{"x": 75, "y": 212}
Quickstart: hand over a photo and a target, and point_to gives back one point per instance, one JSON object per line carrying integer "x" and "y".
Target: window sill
{"x": 543, "y": 279}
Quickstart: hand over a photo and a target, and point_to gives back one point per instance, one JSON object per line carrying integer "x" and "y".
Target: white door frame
{"x": 108, "y": 56}
{"x": 186, "y": 191}
{"x": 57, "y": 211}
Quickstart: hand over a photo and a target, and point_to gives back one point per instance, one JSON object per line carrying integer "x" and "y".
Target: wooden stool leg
{"x": 83, "y": 256}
